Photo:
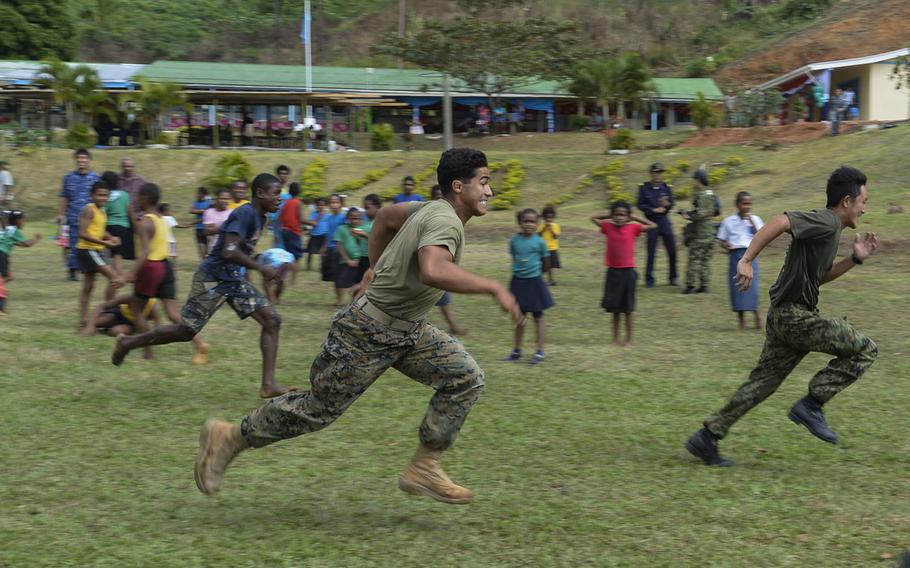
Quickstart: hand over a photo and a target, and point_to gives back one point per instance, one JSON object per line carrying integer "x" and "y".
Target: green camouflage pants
{"x": 793, "y": 331}
{"x": 357, "y": 351}
{"x": 698, "y": 270}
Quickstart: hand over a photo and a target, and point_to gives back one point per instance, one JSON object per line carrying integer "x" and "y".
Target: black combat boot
{"x": 808, "y": 412}
{"x": 701, "y": 290}
{"x": 703, "y": 445}
{"x": 688, "y": 290}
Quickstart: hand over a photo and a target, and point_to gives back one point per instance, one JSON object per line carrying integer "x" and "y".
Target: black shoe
{"x": 702, "y": 290}
{"x": 688, "y": 290}
{"x": 674, "y": 282}
{"x": 703, "y": 445}
{"x": 808, "y": 412}
{"x": 649, "y": 284}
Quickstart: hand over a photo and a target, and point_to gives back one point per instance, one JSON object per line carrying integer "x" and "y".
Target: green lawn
{"x": 577, "y": 462}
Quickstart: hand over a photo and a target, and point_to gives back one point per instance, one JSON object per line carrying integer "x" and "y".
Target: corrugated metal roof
{"x": 292, "y": 77}
{"x": 113, "y": 75}
{"x": 684, "y": 89}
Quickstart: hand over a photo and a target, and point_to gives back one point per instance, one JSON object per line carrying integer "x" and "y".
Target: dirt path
{"x": 786, "y": 134}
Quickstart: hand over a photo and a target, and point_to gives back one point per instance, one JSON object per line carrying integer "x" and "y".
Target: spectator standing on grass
{"x": 655, "y": 200}
{"x": 836, "y": 111}
{"x": 319, "y": 225}
{"x": 74, "y": 196}
{"x": 117, "y": 210}
{"x": 620, "y": 228}
{"x": 200, "y": 205}
{"x": 6, "y": 186}
{"x": 130, "y": 182}
{"x": 283, "y": 173}
{"x": 735, "y": 236}
{"x": 549, "y": 231}
{"x": 407, "y": 191}
{"x": 238, "y": 194}
{"x": 215, "y": 216}
{"x": 12, "y": 236}
{"x": 529, "y": 261}
{"x": 701, "y": 232}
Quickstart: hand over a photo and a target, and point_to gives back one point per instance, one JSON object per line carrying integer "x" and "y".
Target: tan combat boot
{"x": 219, "y": 444}
{"x": 424, "y": 476}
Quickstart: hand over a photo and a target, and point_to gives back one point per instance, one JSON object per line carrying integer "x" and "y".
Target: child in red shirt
{"x": 619, "y": 289}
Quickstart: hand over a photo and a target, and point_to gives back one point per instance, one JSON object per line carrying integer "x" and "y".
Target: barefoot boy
{"x": 93, "y": 239}
{"x": 219, "y": 279}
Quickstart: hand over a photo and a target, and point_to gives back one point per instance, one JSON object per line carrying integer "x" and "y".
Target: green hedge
{"x": 312, "y": 180}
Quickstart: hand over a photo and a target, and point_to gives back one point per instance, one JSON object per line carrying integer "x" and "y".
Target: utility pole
{"x": 401, "y": 25}
{"x": 446, "y": 113}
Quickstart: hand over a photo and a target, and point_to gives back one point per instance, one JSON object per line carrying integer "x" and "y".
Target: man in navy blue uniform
{"x": 655, "y": 199}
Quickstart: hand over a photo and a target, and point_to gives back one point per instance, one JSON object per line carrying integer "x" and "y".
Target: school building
{"x": 265, "y": 105}
{"x": 870, "y": 79}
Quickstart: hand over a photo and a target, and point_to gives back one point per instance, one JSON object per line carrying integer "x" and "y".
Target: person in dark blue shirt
{"x": 74, "y": 195}
{"x": 202, "y": 202}
{"x": 655, "y": 199}
{"x": 407, "y": 191}
{"x": 221, "y": 278}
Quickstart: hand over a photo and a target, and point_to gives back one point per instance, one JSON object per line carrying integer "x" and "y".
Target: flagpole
{"x": 307, "y": 41}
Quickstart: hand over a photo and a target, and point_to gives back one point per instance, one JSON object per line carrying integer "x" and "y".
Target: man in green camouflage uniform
{"x": 700, "y": 235}
{"x": 414, "y": 251}
{"x": 795, "y": 327}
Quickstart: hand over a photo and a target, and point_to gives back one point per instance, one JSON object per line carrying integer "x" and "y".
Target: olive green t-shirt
{"x": 816, "y": 235}
{"x": 396, "y": 288}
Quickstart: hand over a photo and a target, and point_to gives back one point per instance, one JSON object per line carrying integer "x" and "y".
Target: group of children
{"x": 535, "y": 251}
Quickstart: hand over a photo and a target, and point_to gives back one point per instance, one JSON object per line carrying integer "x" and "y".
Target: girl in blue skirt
{"x": 530, "y": 259}
{"x": 735, "y": 234}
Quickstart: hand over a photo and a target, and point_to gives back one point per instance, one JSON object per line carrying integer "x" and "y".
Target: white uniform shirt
{"x": 738, "y": 231}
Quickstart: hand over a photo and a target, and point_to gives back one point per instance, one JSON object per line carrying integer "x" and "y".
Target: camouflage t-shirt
{"x": 816, "y": 235}
{"x": 396, "y": 288}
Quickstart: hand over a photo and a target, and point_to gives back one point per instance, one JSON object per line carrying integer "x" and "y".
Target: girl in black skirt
{"x": 530, "y": 258}
{"x": 619, "y": 288}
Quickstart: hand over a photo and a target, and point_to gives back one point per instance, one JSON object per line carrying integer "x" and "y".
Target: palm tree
{"x": 596, "y": 78}
{"x": 152, "y": 101}
{"x": 91, "y": 100}
{"x": 633, "y": 82}
{"x": 69, "y": 83}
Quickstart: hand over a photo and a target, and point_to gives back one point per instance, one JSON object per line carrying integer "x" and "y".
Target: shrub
{"x": 703, "y": 113}
{"x": 312, "y": 180}
{"x": 80, "y": 136}
{"x": 622, "y": 140}
{"x": 717, "y": 175}
{"x": 683, "y": 191}
{"x": 683, "y": 165}
{"x": 368, "y": 178}
{"x": 734, "y": 161}
{"x": 803, "y": 9}
{"x": 382, "y": 137}
{"x": 671, "y": 174}
{"x": 229, "y": 168}
{"x": 509, "y": 192}
{"x": 577, "y": 122}
{"x": 419, "y": 187}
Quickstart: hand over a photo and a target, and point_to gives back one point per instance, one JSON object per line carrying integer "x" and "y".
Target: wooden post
{"x": 215, "y": 133}
{"x": 328, "y": 124}
{"x": 268, "y": 124}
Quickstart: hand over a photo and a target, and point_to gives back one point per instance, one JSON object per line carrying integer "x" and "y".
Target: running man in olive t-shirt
{"x": 414, "y": 251}
{"x": 794, "y": 327}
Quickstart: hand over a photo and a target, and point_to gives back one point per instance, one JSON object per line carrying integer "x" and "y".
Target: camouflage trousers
{"x": 698, "y": 270}
{"x": 357, "y": 351}
{"x": 793, "y": 330}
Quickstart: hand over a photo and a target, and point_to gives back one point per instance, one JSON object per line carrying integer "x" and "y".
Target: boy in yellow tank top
{"x": 153, "y": 274}
{"x": 93, "y": 239}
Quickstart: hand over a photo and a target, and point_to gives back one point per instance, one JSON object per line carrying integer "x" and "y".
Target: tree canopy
{"x": 34, "y": 29}
{"x": 491, "y": 56}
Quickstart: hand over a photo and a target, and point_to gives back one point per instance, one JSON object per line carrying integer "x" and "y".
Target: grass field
{"x": 576, "y": 462}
